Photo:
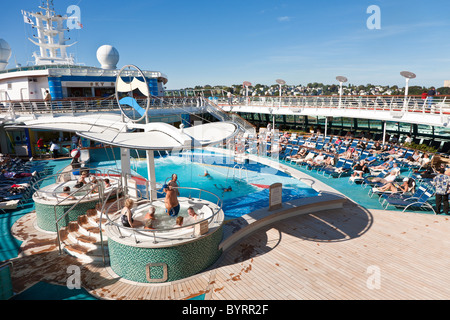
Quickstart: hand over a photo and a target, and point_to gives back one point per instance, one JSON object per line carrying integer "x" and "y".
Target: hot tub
{"x": 166, "y": 253}
{"x": 50, "y": 205}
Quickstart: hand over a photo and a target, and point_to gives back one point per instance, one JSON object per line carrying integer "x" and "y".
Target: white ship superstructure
{"x": 55, "y": 69}
{"x": 51, "y": 37}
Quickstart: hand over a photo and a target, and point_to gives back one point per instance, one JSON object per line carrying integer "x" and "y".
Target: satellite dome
{"x": 108, "y": 56}
{"x": 5, "y": 54}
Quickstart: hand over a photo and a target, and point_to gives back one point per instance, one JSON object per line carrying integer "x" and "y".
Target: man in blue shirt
{"x": 441, "y": 183}
{"x": 430, "y": 96}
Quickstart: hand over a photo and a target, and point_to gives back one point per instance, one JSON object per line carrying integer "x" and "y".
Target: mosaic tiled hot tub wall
{"x": 45, "y": 214}
{"x": 182, "y": 260}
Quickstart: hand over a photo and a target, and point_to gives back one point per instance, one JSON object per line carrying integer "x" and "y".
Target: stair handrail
{"x": 215, "y": 110}
{"x": 100, "y": 193}
{"x": 119, "y": 190}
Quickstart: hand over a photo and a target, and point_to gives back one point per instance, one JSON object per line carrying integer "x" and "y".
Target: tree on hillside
{"x": 444, "y": 90}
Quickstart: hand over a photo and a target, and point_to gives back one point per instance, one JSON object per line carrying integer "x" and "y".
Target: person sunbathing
{"x": 308, "y": 157}
{"x": 389, "y": 178}
{"x": 358, "y": 170}
{"x": 300, "y": 154}
{"x": 406, "y": 186}
{"x": 329, "y": 162}
{"x": 317, "y": 161}
{"x": 385, "y": 165}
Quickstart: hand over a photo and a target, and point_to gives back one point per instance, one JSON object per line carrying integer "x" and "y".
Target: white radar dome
{"x": 108, "y": 56}
{"x": 5, "y": 54}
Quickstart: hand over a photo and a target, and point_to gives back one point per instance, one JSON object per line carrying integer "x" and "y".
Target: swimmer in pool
{"x": 206, "y": 174}
{"x": 171, "y": 201}
{"x": 229, "y": 189}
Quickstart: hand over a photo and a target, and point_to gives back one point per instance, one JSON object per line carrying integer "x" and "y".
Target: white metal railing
{"x": 437, "y": 105}
{"x": 73, "y": 106}
{"x": 216, "y": 111}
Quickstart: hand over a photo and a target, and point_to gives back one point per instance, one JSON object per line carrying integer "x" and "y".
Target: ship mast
{"x": 50, "y": 36}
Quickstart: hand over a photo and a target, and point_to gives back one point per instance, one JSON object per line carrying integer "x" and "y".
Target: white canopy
{"x": 151, "y": 136}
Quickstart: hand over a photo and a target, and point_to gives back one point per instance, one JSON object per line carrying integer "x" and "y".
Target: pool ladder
{"x": 240, "y": 168}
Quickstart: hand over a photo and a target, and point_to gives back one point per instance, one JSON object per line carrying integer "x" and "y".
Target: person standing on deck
{"x": 442, "y": 185}
{"x": 430, "y": 96}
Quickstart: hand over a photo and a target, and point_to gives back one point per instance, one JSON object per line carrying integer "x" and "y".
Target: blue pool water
{"x": 249, "y": 182}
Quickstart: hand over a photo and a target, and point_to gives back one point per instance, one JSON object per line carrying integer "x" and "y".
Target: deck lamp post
{"x": 407, "y": 75}
{"x": 281, "y": 83}
{"x": 246, "y": 85}
{"x": 341, "y": 80}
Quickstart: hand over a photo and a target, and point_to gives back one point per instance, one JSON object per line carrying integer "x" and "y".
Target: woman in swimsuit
{"x": 127, "y": 216}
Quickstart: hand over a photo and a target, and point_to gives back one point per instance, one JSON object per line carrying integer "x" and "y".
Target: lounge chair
{"x": 414, "y": 201}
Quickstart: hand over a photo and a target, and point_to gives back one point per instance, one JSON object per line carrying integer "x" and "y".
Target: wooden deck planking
{"x": 360, "y": 256}
{"x": 305, "y": 257}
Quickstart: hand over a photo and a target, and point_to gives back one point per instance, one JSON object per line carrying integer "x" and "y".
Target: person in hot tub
{"x": 127, "y": 215}
{"x": 66, "y": 193}
{"x": 192, "y": 214}
{"x": 107, "y": 183}
{"x": 179, "y": 222}
{"x": 150, "y": 214}
{"x": 174, "y": 183}
{"x": 82, "y": 179}
{"x": 149, "y": 225}
{"x": 94, "y": 183}
{"x": 171, "y": 201}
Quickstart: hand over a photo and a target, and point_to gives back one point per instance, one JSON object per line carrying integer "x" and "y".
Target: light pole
{"x": 280, "y": 83}
{"x": 341, "y": 80}
{"x": 407, "y": 75}
{"x": 246, "y": 85}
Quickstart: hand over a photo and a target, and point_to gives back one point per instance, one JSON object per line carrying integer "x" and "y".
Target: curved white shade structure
{"x": 151, "y": 136}
{"x": 161, "y": 136}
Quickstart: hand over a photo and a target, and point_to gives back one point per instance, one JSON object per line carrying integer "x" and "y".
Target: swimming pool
{"x": 249, "y": 182}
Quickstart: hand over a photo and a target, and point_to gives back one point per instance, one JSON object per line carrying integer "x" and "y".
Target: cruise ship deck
{"x": 115, "y": 188}
{"x": 348, "y": 253}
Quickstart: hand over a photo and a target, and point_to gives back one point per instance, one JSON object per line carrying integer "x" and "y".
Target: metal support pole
{"x": 405, "y": 102}
{"x": 151, "y": 175}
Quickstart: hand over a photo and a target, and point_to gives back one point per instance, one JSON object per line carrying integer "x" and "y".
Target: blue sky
{"x": 227, "y": 42}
